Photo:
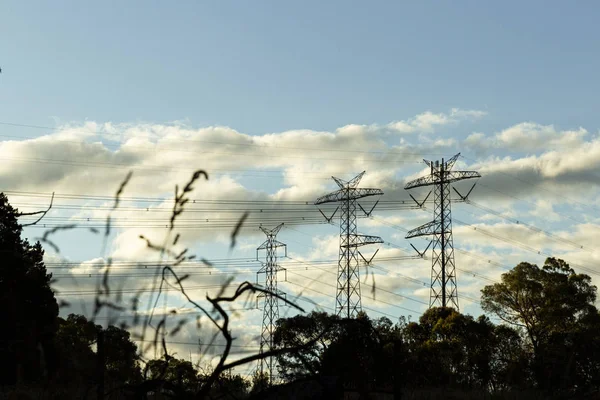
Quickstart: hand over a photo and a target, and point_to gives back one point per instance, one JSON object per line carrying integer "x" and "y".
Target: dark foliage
{"x": 29, "y": 308}
{"x": 549, "y": 345}
{"x": 555, "y": 308}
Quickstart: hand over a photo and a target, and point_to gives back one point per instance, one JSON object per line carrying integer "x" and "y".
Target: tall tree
{"x": 359, "y": 356}
{"x": 29, "y": 308}
{"x": 555, "y": 307}
{"x": 121, "y": 358}
{"x": 75, "y": 359}
{"x": 452, "y": 350}
{"x": 543, "y": 301}
{"x": 358, "y": 352}
{"x": 77, "y": 353}
{"x": 299, "y": 330}
{"x": 178, "y": 372}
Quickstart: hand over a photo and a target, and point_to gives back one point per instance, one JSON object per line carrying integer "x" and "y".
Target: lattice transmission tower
{"x": 271, "y": 304}
{"x": 444, "y": 292}
{"x": 347, "y": 300}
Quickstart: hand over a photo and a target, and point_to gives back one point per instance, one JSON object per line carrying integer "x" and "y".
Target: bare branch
{"x": 43, "y": 213}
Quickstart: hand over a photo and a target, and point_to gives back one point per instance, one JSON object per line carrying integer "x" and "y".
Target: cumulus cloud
{"x": 426, "y": 122}
{"x": 528, "y": 137}
{"x": 561, "y": 176}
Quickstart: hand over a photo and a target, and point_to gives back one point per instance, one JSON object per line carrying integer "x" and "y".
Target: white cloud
{"x": 426, "y": 122}
{"x": 528, "y": 137}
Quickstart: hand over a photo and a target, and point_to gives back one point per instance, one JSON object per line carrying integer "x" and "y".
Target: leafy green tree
{"x": 260, "y": 382}
{"x": 231, "y": 387}
{"x": 359, "y": 352}
{"x": 180, "y": 373}
{"x": 76, "y": 362}
{"x": 542, "y": 301}
{"x": 29, "y": 308}
{"x": 121, "y": 358}
{"x": 509, "y": 362}
{"x": 449, "y": 349}
{"x": 555, "y": 307}
{"x": 359, "y": 356}
{"x": 76, "y": 343}
{"x": 435, "y": 347}
{"x": 300, "y": 330}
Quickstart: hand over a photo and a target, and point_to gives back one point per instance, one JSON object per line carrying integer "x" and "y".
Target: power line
{"x": 380, "y": 289}
{"x": 244, "y": 203}
{"x": 197, "y": 344}
{"x": 221, "y": 263}
{"x": 527, "y": 201}
{"x": 528, "y": 226}
{"x": 520, "y": 244}
{"x": 367, "y": 297}
{"x": 325, "y": 294}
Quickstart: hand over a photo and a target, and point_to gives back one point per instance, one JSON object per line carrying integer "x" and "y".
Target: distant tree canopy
{"x": 300, "y": 330}
{"x": 443, "y": 349}
{"x": 357, "y": 351}
{"x": 550, "y": 341}
{"x": 446, "y": 348}
{"x": 555, "y": 307}
{"x": 77, "y": 359}
{"x": 29, "y": 308}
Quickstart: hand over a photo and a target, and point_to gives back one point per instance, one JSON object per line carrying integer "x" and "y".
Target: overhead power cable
{"x": 528, "y": 226}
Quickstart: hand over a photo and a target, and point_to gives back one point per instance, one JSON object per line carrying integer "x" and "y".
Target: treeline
{"x": 84, "y": 357}
{"x": 547, "y": 346}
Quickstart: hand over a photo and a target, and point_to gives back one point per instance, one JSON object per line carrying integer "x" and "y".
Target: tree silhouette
{"x": 555, "y": 307}
{"x": 317, "y": 329}
{"x": 28, "y": 303}
{"x": 77, "y": 354}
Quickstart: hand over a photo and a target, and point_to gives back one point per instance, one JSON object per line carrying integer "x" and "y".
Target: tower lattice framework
{"x": 271, "y": 304}
{"x": 348, "y": 298}
{"x": 444, "y": 292}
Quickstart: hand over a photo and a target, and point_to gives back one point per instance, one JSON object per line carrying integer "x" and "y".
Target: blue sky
{"x": 272, "y": 66}
{"x": 272, "y": 98}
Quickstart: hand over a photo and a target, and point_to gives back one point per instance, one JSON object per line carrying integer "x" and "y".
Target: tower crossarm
{"x": 271, "y": 243}
{"x": 450, "y": 177}
{"x": 265, "y": 268}
{"x": 454, "y": 176}
{"x": 270, "y": 293}
{"x": 430, "y": 228}
{"x": 422, "y": 181}
{"x": 361, "y": 240}
{"x": 348, "y": 194}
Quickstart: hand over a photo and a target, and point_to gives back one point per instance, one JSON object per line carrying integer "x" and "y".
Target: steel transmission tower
{"x": 347, "y": 299}
{"x": 271, "y": 304}
{"x": 443, "y": 277}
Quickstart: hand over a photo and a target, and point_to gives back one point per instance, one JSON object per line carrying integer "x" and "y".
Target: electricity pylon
{"x": 271, "y": 303}
{"x": 347, "y": 300}
{"x": 443, "y": 275}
